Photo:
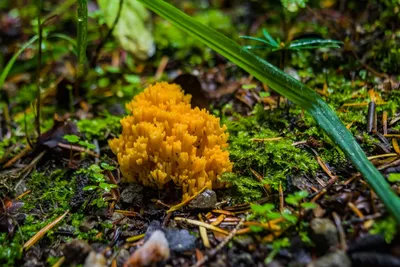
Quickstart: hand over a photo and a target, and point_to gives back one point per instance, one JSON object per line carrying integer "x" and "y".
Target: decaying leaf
{"x": 131, "y": 30}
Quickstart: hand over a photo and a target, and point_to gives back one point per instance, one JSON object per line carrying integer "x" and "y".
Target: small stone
{"x": 336, "y": 259}
{"x": 95, "y": 260}
{"x": 154, "y": 250}
{"x": 87, "y": 224}
{"x": 206, "y": 200}
{"x": 76, "y": 251}
{"x": 180, "y": 240}
{"x": 132, "y": 194}
{"x": 324, "y": 234}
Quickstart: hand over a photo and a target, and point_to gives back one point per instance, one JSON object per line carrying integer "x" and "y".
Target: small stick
{"x": 383, "y": 156}
{"x": 23, "y": 194}
{"x": 355, "y": 210}
{"x": 342, "y": 235}
{"x": 266, "y": 139}
{"x": 281, "y": 198}
{"x": 371, "y": 116}
{"x": 220, "y": 219}
{"x": 385, "y": 122}
{"x": 266, "y": 187}
{"x": 396, "y": 146}
{"x": 78, "y": 149}
{"x": 161, "y": 67}
{"x": 203, "y": 234}
{"x": 199, "y": 223}
{"x": 135, "y": 238}
{"x": 185, "y": 202}
{"x": 21, "y": 154}
{"x": 59, "y": 262}
{"x": 220, "y": 246}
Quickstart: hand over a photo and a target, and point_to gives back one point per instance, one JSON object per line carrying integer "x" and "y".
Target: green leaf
{"x": 289, "y": 87}
{"x": 95, "y": 168}
{"x": 259, "y": 40}
{"x": 256, "y": 229}
{"x": 87, "y": 144}
{"x": 294, "y": 5}
{"x": 107, "y": 166}
{"x": 262, "y": 209}
{"x": 313, "y": 43}
{"x": 289, "y": 217}
{"x": 394, "y": 177}
{"x": 131, "y": 30}
{"x": 269, "y": 38}
{"x": 308, "y": 205}
{"x": 107, "y": 187}
{"x": 71, "y": 138}
{"x": 273, "y": 215}
{"x": 90, "y": 187}
{"x": 132, "y": 78}
{"x": 10, "y": 64}
{"x": 98, "y": 177}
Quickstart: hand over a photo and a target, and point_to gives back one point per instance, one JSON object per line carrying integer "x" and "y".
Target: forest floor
{"x": 295, "y": 198}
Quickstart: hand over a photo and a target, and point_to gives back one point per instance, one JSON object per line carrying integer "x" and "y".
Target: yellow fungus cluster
{"x": 165, "y": 139}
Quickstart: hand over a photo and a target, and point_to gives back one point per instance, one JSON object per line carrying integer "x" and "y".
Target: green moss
{"x": 386, "y": 227}
{"x": 100, "y": 128}
{"x": 273, "y": 160}
{"x": 10, "y": 251}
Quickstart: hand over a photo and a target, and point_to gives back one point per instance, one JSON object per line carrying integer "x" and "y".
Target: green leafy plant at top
{"x": 288, "y": 87}
{"x": 293, "y": 5}
{"x": 76, "y": 139}
{"x": 100, "y": 184}
{"x": 100, "y": 128}
{"x": 269, "y": 43}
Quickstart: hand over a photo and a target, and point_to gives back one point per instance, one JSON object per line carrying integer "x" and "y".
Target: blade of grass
{"x": 10, "y": 64}
{"x": 288, "y": 87}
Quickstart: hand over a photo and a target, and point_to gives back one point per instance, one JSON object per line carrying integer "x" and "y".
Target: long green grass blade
{"x": 290, "y": 88}
{"x": 82, "y": 34}
{"x": 10, "y": 64}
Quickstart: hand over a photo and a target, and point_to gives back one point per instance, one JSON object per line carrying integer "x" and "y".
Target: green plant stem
{"x": 82, "y": 34}
{"x": 39, "y": 67}
{"x": 288, "y": 87}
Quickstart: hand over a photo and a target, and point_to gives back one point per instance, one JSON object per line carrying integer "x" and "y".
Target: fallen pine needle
{"x": 220, "y": 219}
{"x": 203, "y": 234}
{"x": 135, "y": 238}
{"x": 127, "y": 213}
{"x": 59, "y": 262}
{"x": 220, "y": 246}
{"x": 396, "y": 145}
{"x": 383, "y": 156}
{"x": 184, "y": 203}
{"x": 43, "y": 231}
{"x": 203, "y": 224}
{"x": 23, "y": 194}
{"x": 355, "y": 210}
{"x": 228, "y": 213}
{"x": 266, "y": 139}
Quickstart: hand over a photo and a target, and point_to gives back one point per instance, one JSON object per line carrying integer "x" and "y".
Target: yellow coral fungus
{"x": 165, "y": 139}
